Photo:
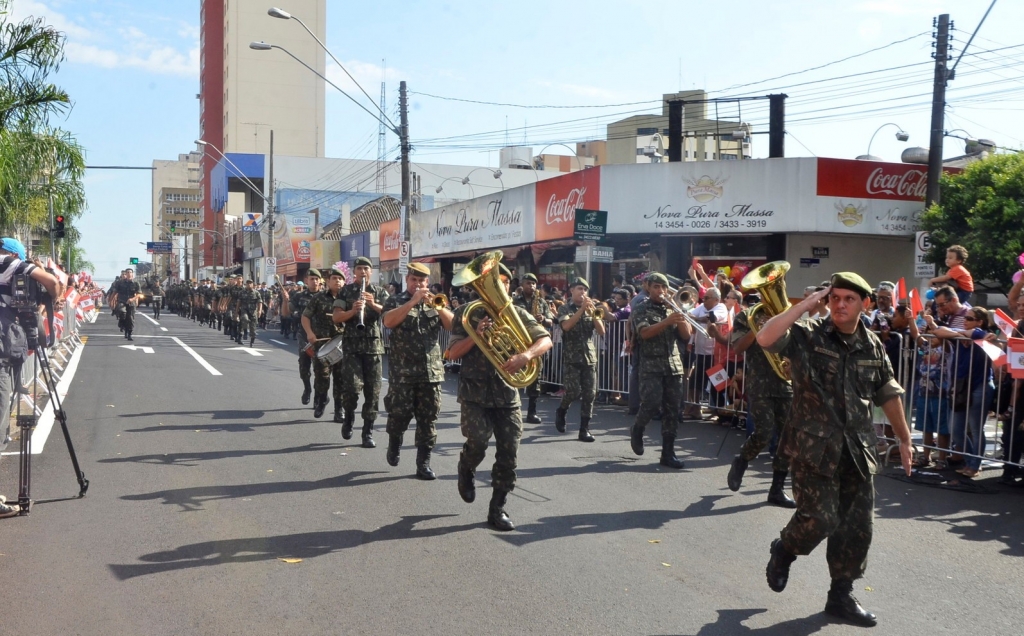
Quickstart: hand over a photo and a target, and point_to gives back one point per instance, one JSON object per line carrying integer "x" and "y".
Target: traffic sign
{"x": 133, "y": 260}
{"x": 404, "y": 251}
{"x": 159, "y": 247}
{"x": 922, "y": 244}
{"x": 271, "y": 264}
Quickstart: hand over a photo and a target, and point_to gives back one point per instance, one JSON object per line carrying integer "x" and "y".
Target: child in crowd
{"x": 957, "y": 275}
{"x": 931, "y": 404}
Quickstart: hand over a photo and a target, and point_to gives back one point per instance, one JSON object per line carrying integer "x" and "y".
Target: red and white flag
{"x": 1015, "y": 357}
{"x": 1004, "y": 322}
{"x": 915, "y": 302}
{"x": 901, "y": 290}
{"x": 993, "y": 351}
{"x": 86, "y": 304}
{"x": 719, "y": 378}
{"x": 58, "y": 324}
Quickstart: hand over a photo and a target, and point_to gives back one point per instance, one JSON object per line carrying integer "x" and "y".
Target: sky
{"x": 132, "y": 71}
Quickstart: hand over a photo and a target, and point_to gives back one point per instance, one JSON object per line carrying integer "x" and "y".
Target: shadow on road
{"x": 194, "y": 498}
{"x": 305, "y": 545}
{"x": 216, "y": 428}
{"x": 730, "y": 623}
{"x": 190, "y": 459}
{"x": 227, "y": 414}
{"x": 594, "y": 523}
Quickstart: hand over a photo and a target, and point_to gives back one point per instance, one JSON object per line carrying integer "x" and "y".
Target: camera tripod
{"x": 27, "y": 423}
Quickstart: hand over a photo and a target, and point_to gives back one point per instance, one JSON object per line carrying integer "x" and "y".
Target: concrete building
{"x": 244, "y": 94}
{"x": 177, "y": 196}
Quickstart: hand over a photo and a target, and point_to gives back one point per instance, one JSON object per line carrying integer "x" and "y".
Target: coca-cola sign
{"x": 852, "y": 179}
{"x": 558, "y": 199}
{"x": 390, "y": 240}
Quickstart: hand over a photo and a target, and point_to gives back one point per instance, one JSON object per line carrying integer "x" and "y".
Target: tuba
{"x": 770, "y": 281}
{"x": 507, "y": 336}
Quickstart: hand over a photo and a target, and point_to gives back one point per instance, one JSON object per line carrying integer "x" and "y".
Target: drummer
{"x": 318, "y": 323}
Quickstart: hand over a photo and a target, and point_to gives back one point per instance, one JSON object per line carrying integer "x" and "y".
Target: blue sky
{"x": 132, "y": 71}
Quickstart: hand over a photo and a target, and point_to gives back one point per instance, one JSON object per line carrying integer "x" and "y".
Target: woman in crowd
{"x": 973, "y": 391}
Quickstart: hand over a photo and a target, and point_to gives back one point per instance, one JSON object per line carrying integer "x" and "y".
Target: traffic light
{"x": 174, "y": 226}
{"x": 58, "y": 226}
{"x": 133, "y": 260}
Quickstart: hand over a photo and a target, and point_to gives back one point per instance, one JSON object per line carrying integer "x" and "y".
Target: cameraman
{"x": 128, "y": 295}
{"x": 13, "y": 264}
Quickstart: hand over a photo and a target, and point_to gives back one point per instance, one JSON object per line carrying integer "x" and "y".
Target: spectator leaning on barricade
{"x": 1013, "y": 421}
{"x": 973, "y": 391}
{"x": 957, "y": 276}
{"x": 724, "y": 355}
{"x": 13, "y": 263}
{"x": 894, "y": 326}
{"x": 711, "y": 310}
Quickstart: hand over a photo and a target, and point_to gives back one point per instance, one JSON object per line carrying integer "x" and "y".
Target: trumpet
{"x": 597, "y": 313}
{"x": 685, "y": 299}
{"x": 439, "y": 301}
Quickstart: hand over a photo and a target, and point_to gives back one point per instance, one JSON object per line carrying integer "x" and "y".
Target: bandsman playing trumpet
{"x": 415, "y": 369}
{"x": 532, "y": 300}
{"x": 358, "y": 306}
{"x": 579, "y": 319}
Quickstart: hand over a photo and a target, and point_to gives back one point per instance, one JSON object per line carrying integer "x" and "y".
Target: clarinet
{"x": 362, "y": 309}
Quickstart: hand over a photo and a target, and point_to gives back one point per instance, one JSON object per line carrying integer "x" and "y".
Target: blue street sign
{"x": 157, "y": 247}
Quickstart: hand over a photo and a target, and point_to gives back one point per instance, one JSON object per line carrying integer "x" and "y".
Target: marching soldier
{"x": 661, "y": 332}
{"x": 491, "y": 407}
{"x": 318, "y": 322}
{"x": 360, "y": 311}
{"x": 578, "y": 322}
{"x": 839, "y": 369}
{"x": 265, "y": 295}
{"x": 250, "y": 302}
{"x": 769, "y": 397}
{"x": 128, "y": 295}
{"x": 295, "y": 305}
{"x": 415, "y": 368}
{"x": 534, "y": 303}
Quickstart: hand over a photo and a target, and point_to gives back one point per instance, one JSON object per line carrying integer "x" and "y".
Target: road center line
{"x": 163, "y": 328}
{"x": 199, "y": 358}
{"x": 283, "y": 344}
{"x": 146, "y": 316}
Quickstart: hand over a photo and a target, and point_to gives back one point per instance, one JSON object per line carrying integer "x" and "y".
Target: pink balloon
{"x": 1016, "y": 276}
{"x": 1020, "y": 259}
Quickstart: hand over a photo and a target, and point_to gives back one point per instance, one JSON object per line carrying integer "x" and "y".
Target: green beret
{"x": 530, "y": 277}
{"x": 655, "y": 277}
{"x": 580, "y": 281}
{"x": 504, "y": 271}
{"x": 362, "y": 260}
{"x": 419, "y": 268}
{"x": 315, "y": 273}
{"x": 851, "y": 281}
{"x": 330, "y": 271}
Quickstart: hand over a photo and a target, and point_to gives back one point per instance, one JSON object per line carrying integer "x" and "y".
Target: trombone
{"x": 685, "y": 299}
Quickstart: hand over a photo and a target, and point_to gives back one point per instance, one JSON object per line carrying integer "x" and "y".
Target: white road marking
{"x": 163, "y": 328}
{"x": 45, "y": 422}
{"x": 117, "y": 335}
{"x": 253, "y": 352}
{"x": 199, "y": 358}
{"x": 137, "y": 348}
{"x": 283, "y": 344}
{"x": 146, "y": 316}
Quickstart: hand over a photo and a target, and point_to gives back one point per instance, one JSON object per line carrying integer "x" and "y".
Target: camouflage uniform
{"x": 661, "y": 368}
{"x": 364, "y": 348}
{"x": 415, "y": 371}
{"x": 249, "y": 301}
{"x": 297, "y": 304}
{"x": 489, "y": 406}
{"x": 579, "y": 360}
{"x": 769, "y": 397}
{"x": 320, "y": 312}
{"x": 126, "y": 290}
{"x": 519, "y": 300}
{"x": 830, "y": 439}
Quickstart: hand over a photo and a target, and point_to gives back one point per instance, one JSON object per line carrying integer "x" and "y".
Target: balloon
{"x": 1020, "y": 259}
{"x": 1016, "y": 276}
{"x": 930, "y": 294}
{"x": 739, "y": 270}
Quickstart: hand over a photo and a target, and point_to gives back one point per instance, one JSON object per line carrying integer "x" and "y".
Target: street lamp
{"x": 494, "y": 173}
{"x": 464, "y": 182}
{"x": 579, "y": 162}
{"x": 900, "y": 136}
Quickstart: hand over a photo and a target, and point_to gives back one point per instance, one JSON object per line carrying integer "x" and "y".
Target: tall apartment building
{"x": 244, "y": 94}
{"x": 176, "y": 197}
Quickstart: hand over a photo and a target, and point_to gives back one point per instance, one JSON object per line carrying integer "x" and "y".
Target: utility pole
{"x": 270, "y": 203}
{"x": 941, "y": 56}
{"x": 776, "y": 125}
{"x": 403, "y": 108}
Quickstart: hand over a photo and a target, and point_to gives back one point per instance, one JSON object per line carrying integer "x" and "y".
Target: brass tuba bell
{"x": 770, "y": 281}
{"x": 507, "y": 335}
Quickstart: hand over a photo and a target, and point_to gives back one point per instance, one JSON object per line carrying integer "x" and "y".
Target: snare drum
{"x": 330, "y": 353}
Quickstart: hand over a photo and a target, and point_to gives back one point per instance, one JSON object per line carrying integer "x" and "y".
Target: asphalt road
{"x": 205, "y": 487}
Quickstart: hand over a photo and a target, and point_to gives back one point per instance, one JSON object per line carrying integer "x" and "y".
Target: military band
{"x": 321, "y": 328}
{"x": 294, "y": 305}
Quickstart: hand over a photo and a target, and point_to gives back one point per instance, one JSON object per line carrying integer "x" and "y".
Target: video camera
{"x": 26, "y": 296}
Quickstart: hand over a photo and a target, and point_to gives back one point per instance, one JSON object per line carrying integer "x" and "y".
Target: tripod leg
{"x": 26, "y": 426}
{"x": 61, "y": 416}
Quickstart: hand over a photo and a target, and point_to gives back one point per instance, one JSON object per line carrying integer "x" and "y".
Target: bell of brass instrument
{"x": 683, "y": 300}
{"x": 770, "y": 281}
{"x": 507, "y": 336}
{"x": 440, "y": 301}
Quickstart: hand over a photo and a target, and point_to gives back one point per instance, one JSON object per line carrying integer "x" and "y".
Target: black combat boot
{"x": 668, "y": 453}
{"x": 467, "y": 487}
{"x": 531, "y": 413}
{"x": 307, "y": 390}
{"x": 346, "y": 426}
{"x": 636, "y": 439}
{"x": 842, "y": 604}
{"x": 735, "y": 479}
{"x": 394, "y": 449}
{"x": 423, "y": 470}
{"x": 585, "y": 435}
{"x": 368, "y": 435}
{"x": 338, "y": 417}
{"x": 777, "y": 571}
{"x": 777, "y": 495}
{"x": 496, "y": 516}
{"x": 560, "y": 420}
{"x": 319, "y": 404}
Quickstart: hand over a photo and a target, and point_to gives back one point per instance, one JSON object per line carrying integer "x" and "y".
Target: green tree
{"x": 982, "y": 209}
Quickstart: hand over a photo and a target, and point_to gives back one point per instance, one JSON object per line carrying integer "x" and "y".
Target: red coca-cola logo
{"x": 912, "y": 183}
{"x": 392, "y": 242}
{"x": 564, "y": 210}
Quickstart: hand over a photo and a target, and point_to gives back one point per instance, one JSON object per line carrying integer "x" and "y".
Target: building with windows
{"x": 177, "y": 198}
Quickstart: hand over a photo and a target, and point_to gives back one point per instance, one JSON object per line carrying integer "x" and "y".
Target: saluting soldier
{"x": 661, "y": 333}
{"x": 364, "y": 349}
{"x": 250, "y": 302}
{"x": 839, "y": 368}
{"x": 491, "y": 407}
{"x": 579, "y": 356}
{"x": 534, "y": 303}
{"x": 320, "y": 327}
{"x": 770, "y": 398}
{"x": 415, "y": 367}
{"x": 294, "y": 305}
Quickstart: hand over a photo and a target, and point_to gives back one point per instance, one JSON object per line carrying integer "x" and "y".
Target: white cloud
{"x": 901, "y": 7}
{"x": 22, "y": 9}
{"x": 164, "y": 60}
{"x": 368, "y": 74}
{"x": 582, "y": 90}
